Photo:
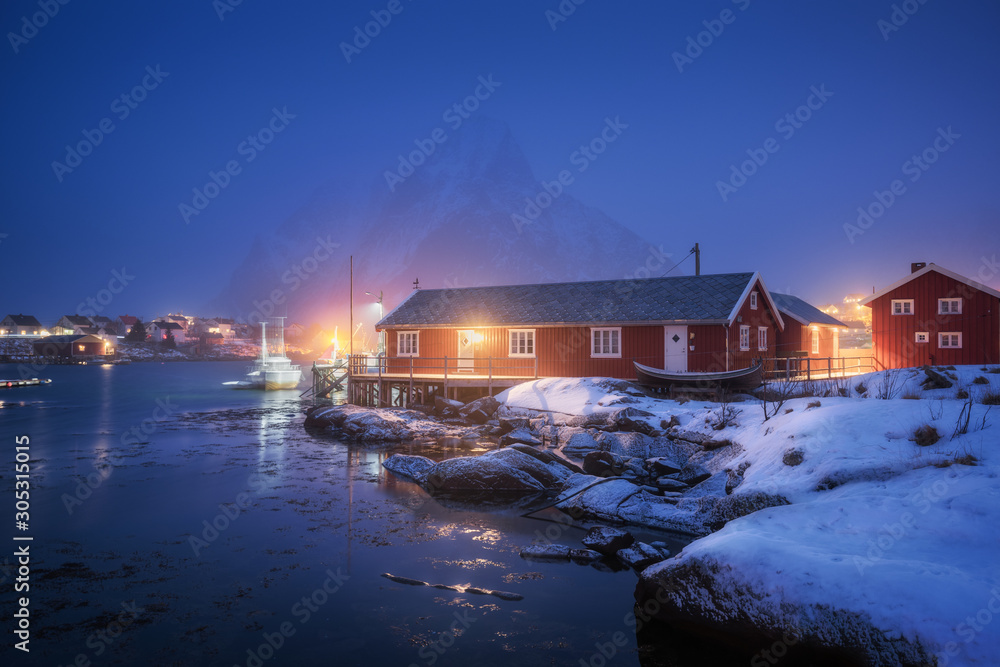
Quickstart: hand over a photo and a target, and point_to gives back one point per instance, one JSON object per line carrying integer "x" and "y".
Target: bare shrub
{"x": 980, "y": 380}
{"x": 890, "y": 385}
{"x": 813, "y": 404}
{"x": 990, "y": 397}
{"x": 773, "y": 395}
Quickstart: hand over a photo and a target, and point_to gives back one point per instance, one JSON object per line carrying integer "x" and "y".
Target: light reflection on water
{"x": 312, "y": 506}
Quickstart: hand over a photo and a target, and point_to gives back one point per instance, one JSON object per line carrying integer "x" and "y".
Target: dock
{"x": 33, "y": 382}
{"x": 376, "y": 382}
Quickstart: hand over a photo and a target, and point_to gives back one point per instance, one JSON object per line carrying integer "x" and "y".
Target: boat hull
{"x": 742, "y": 379}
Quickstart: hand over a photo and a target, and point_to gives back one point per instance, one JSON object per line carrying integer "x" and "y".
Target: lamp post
{"x": 381, "y": 334}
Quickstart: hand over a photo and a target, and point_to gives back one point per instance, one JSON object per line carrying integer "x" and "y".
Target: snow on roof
{"x": 930, "y": 267}
{"x": 705, "y": 299}
{"x": 803, "y": 312}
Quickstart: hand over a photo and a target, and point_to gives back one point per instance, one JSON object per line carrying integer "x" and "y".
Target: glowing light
{"x": 477, "y": 337}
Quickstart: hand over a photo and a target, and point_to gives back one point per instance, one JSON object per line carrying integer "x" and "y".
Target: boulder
{"x": 633, "y": 420}
{"x": 446, "y": 407}
{"x": 480, "y": 410}
{"x": 640, "y": 555}
{"x": 521, "y": 435}
{"x": 546, "y": 457}
{"x": 625, "y": 443}
{"x": 374, "y": 425}
{"x": 412, "y": 467}
{"x": 792, "y": 457}
{"x": 607, "y": 540}
{"x": 602, "y": 464}
{"x": 934, "y": 380}
{"x": 661, "y": 465}
{"x": 508, "y": 424}
{"x": 580, "y": 444}
{"x": 670, "y": 484}
{"x": 499, "y": 470}
{"x": 559, "y": 552}
{"x": 693, "y": 473}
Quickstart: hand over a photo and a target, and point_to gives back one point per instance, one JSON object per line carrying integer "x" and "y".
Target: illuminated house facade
{"x": 580, "y": 329}
{"x": 937, "y": 317}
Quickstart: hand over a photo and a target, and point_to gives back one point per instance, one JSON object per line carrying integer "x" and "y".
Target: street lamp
{"x": 381, "y": 334}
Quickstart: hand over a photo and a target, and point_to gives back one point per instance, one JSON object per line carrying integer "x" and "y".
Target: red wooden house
{"x": 685, "y": 323}
{"x": 934, "y": 316}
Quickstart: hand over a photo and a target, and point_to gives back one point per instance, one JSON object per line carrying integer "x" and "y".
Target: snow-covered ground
{"x": 900, "y": 534}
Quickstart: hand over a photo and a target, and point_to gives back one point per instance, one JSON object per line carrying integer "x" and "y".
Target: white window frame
{"x": 921, "y": 337}
{"x": 903, "y": 303}
{"x": 744, "y": 336}
{"x": 529, "y": 342}
{"x": 949, "y": 346}
{"x": 814, "y": 340}
{"x": 753, "y": 300}
{"x": 761, "y": 338}
{"x": 615, "y": 339}
{"x": 413, "y": 346}
{"x": 949, "y": 302}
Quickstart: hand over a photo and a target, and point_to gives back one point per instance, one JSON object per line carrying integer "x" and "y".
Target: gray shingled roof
{"x": 24, "y": 320}
{"x": 673, "y": 299}
{"x": 803, "y": 312}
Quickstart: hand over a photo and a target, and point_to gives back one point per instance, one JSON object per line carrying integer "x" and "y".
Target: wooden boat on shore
{"x": 743, "y": 379}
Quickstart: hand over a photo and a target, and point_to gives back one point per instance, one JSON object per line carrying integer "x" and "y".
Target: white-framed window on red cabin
{"x": 902, "y": 306}
{"x": 407, "y": 343}
{"x": 744, "y": 337}
{"x": 753, "y": 300}
{"x": 949, "y": 306}
{"x": 814, "y": 333}
{"x": 950, "y": 339}
{"x": 761, "y": 338}
{"x": 605, "y": 342}
{"x": 522, "y": 342}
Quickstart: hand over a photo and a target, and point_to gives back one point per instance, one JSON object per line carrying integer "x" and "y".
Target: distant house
{"x": 71, "y": 324}
{"x": 685, "y": 323}
{"x": 72, "y": 346}
{"x": 20, "y": 325}
{"x": 934, "y": 316}
{"x": 177, "y": 319}
{"x": 126, "y": 322}
{"x": 809, "y": 332}
{"x": 157, "y": 331}
{"x": 294, "y": 332}
{"x": 225, "y": 327}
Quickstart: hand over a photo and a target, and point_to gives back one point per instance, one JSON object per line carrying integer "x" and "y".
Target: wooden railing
{"x": 489, "y": 367}
{"x": 815, "y": 368}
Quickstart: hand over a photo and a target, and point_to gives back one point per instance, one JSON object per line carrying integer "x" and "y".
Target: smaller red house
{"x": 808, "y": 332}
{"x": 934, "y": 316}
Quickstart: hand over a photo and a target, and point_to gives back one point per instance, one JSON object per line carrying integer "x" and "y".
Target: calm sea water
{"x": 176, "y": 521}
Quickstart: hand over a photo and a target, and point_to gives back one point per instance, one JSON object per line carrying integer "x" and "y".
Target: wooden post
{"x": 411, "y": 380}
{"x": 809, "y": 368}
{"x": 829, "y": 371}
{"x": 536, "y": 366}
{"x": 489, "y": 381}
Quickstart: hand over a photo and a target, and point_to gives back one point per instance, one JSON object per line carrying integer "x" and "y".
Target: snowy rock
{"x": 373, "y": 425}
{"x": 480, "y": 410}
{"x": 607, "y": 540}
{"x": 546, "y": 457}
{"x": 499, "y": 470}
{"x": 631, "y": 419}
{"x": 602, "y": 464}
{"x": 508, "y": 424}
{"x": 580, "y": 444}
{"x": 792, "y": 457}
{"x": 693, "y": 474}
{"x": 521, "y": 435}
{"x": 670, "y": 484}
{"x": 626, "y": 444}
{"x": 661, "y": 465}
{"x": 640, "y": 555}
{"x": 559, "y": 552}
{"x": 412, "y": 467}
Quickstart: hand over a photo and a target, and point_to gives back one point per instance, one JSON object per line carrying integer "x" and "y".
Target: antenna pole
{"x": 352, "y": 308}
{"x": 697, "y": 259}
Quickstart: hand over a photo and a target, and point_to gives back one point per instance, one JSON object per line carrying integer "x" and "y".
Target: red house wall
{"x": 893, "y": 336}
{"x": 797, "y": 337}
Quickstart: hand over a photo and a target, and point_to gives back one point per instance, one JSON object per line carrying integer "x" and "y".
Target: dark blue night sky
{"x": 196, "y": 86}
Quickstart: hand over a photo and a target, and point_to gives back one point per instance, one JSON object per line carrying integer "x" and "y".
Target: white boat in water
{"x": 272, "y": 370}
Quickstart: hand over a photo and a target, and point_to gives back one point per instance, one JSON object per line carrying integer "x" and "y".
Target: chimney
{"x": 916, "y": 266}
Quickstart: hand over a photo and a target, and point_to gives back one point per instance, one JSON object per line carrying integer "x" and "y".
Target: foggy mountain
{"x": 449, "y": 223}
